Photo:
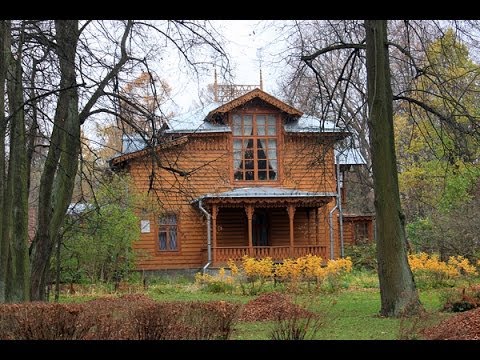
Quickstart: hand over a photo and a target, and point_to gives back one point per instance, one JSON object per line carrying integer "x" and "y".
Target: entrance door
{"x": 260, "y": 228}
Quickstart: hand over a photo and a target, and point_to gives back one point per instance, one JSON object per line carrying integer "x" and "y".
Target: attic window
{"x": 255, "y": 147}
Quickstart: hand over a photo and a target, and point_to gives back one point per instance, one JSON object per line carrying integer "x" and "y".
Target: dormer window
{"x": 255, "y": 147}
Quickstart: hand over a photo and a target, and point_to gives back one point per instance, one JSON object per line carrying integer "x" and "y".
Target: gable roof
{"x": 199, "y": 120}
{"x": 255, "y": 93}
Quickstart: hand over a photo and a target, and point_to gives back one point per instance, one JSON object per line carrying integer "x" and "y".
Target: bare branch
{"x": 112, "y": 73}
{"x": 327, "y": 49}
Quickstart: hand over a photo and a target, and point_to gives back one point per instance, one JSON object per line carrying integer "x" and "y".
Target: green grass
{"x": 350, "y": 314}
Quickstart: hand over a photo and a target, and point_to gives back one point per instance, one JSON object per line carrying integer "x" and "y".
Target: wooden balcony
{"x": 277, "y": 253}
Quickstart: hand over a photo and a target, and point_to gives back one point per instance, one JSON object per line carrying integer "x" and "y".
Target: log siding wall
{"x": 306, "y": 164}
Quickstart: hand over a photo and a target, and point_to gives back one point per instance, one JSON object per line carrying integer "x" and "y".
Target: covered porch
{"x": 267, "y": 222}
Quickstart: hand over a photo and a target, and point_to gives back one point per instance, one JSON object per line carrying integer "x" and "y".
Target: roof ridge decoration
{"x": 250, "y": 96}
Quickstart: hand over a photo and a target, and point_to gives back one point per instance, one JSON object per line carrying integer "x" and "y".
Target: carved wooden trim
{"x": 291, "y": 210}
{"x": 249, "y": 209}
{"x": 268, "y": 202}
{"x": 251, "y": 95}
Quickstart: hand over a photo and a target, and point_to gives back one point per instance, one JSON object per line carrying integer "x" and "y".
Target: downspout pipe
{"x": 330, "y": 225}
{"x": 209, "y": 236}
{"x": 338, "y": 205}
{"x": 340, "y": 211}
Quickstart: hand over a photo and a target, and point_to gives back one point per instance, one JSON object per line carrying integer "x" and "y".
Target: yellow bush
{"x": 310, "y": 267}
{"x": 233, "y": 267}
{"x": 261, "y": 268}
{"x": 455, "y": 267}
{"x": 207, "y": 279}
{"x": 252, "y": 273}
{"x": 462, "y": 265}
{"x": 339, "y": 265}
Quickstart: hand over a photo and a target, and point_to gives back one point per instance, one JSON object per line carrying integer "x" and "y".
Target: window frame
{"x": 357, "y": 233}
{"x": 254, "y": 112}
{"x": 159, "y": 226}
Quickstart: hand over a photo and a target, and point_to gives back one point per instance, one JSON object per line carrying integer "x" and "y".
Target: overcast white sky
{"x": 246, "y": 40}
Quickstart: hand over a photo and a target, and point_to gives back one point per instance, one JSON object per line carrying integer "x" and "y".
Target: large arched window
{"x": 255, "y": 147}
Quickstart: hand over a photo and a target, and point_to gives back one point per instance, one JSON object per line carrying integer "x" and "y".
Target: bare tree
{"x": 420, "y": 89}
{"x": 14, "y": 273}
{"x": 397, "y": 287}
{"x": 77, "y": 69}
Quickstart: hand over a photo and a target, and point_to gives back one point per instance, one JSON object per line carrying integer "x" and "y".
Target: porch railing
{"x": 224, "y": 253}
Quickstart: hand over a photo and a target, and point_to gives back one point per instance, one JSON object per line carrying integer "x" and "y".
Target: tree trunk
{"x": 4, "y": 241}
{"x": 18, "y": 176}
{"x": 14, "y": 262}
{"x": 58, "y": 177}
{"x": 397, "y": 287}
{"x": 58, "y": 269}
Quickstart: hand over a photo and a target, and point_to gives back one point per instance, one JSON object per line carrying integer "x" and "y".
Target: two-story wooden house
{"x": 252, "y": 175}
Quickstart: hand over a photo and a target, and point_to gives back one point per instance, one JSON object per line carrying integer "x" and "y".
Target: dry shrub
{"x": 129, "y": 317}
{"x": 295, "y": 325}
{"x": 212, "y": 320}
{"x": 112, "y": 318}
{"x": 271, "y": 306}
{"x": 39, "y": 321}
{"x": 185, "y": 321}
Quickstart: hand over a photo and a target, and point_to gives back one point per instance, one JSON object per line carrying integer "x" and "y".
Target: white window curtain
{"x": 237, "y": 125}
{"x": 237, "y": 154}
{"x": 272, "y": 154}
{"x": 173, "y": 238}
{"x": 163, "y": 240}
{"x": 260, "y": 125}
{"x": 247, "y": 125}
{"x": 272, "y": 127}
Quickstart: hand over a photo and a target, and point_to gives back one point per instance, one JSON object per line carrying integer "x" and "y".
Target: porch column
{"x": 317, "y": 227}
{"x": 214, "y": 232}
{"x": 249, "y": 210}
{"x": 291, "y": 215}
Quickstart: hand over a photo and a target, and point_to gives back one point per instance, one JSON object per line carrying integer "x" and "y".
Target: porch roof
{"x": 267, "y": 193}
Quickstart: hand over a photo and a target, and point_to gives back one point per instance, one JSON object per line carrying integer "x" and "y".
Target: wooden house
{"x": 252, "y": 175}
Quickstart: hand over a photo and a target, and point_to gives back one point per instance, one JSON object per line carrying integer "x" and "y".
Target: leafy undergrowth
{"x": 129, "y": 317}
{"x": 462, "y": 299}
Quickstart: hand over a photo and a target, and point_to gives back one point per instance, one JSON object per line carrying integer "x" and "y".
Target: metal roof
{"x": 265, "y": 192}
{"x": 132, "y": 143}
{"x": 309, "y": 123}
{"x": 194, "y": 121}
{"x": 349, "y": 156}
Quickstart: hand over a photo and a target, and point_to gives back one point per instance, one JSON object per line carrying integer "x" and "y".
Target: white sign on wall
{"x": 145, "y": 226}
